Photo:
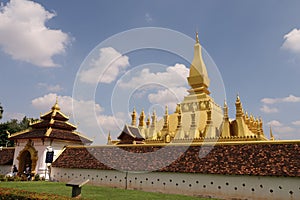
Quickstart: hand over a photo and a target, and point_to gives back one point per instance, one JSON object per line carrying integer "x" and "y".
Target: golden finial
{"x": 197, "y": 37}
{"x": 153, "y": 113}
{"x": 238, "y": 97}
{"x": 56, "y": 106}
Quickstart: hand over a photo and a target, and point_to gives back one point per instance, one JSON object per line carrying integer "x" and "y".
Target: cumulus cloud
{"x": 279, "y": 127}
{"x": 170, "y": 97}
{"x": 50, "y": 88}
{"x": 148, "y": 18}
{"x": 106, "y": 67}
{"x": 288, "y": 99}
{"x": 174, "y": 76}
{"x": 66, "y": 103}
{"x": 167, "y": 86}
{"x": 292, "y": 41}
{"x": 24, "y": 35}
{"x": 274, "y": 123}
{"x": 89, "y": 115}
{"x": 296, "y": 123}
{"x": 284, "y": 129}
{"x": 111, "y": 123}
{"x": 267, "y": 109}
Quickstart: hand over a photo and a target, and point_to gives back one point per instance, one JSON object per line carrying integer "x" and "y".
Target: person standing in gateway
{"x": 27, "y": 172}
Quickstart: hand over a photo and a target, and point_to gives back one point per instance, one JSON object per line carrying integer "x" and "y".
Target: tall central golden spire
{"x": 198, "y": 77}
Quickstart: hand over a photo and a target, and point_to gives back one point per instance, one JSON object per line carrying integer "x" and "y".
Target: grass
{"x": 93, "y": 192}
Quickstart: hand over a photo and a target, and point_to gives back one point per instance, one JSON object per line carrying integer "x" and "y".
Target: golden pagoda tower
{"x": 198, "y": 116}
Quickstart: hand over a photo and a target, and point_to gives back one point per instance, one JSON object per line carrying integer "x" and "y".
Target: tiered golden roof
{"x": 52, "y": 125}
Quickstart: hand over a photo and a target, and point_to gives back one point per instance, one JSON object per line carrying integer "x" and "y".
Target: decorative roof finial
{"x": 197, "y": 37}
{"x": 56, "y": 106}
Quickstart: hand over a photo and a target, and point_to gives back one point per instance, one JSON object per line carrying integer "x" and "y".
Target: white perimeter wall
{"x": 218, "y": 186}
{"x": 5, "y": 169}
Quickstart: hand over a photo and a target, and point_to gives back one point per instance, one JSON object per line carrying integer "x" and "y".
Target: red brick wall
{"x": 248, "y": 159}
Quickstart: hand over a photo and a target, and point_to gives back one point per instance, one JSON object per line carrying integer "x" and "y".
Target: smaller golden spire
{"x": 166, "y": 110}
{"x": 142, "y": 119}
{"x": 133, "y": 117}
{"x": 148, "y": 122}
{"x": 225, "y": 109}
{"x": 271, "y": 134}
{"x": 109, "y": 139}
{"x": 166, "y": 120}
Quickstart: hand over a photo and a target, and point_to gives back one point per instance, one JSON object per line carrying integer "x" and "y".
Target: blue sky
{"x": 254, "y": 44}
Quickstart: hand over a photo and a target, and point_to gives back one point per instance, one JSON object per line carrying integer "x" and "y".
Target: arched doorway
{"x": 28, "y": 155}
{"x": 25, "y": 159}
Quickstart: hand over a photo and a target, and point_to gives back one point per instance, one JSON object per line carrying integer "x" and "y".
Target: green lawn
{"x": 93, "y": 192}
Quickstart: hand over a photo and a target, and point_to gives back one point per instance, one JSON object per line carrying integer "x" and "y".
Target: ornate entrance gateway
{"x": 28, "y": 156}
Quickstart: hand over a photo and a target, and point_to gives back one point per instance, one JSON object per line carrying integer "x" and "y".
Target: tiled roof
{"x": 53, "y": 133}
{"x": 7, "y": 156}
{"x": 67, "y": 135}
{"x": 264, "y": 159}
{"x": 57, "y": 115}
{"x": 53, "y": 124}
{"x": 133, "y": 132}
{"x": 28, "y": 134}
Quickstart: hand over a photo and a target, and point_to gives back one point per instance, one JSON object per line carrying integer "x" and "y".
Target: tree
{"x": 12, "y": 126}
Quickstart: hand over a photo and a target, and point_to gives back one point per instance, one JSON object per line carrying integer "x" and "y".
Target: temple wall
{"x": 206, "y": 185}
{"x": 41, "y": 148}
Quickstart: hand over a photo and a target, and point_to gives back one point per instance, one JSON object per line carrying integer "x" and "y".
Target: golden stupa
{"x": 198, "y": 118}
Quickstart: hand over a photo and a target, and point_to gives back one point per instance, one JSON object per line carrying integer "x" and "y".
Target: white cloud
{"x": 296, "y": 123}
{"x": 169, "y": 97}
{"x": 284, "y": 129}
{"x": 291, "y": 99}
{"x": 89, "y": 115}
{"x": 66, "y": 104}
{"x": 106, "y": 67}
{"x": 274, "y": 123}
{"x": 174, "y": 76}
{"x": 288, "y": 99}
{"x": 292, "y": 41}
{"x": 279, "y": 127}
{"x": 111, "y": 123}
{"x": 267, "y": 109}
{"x": 24, "y": 36}
{"x": 269, "y": 100}
{"x": 148, "y": 18}
{"x": 50, "y": 88}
